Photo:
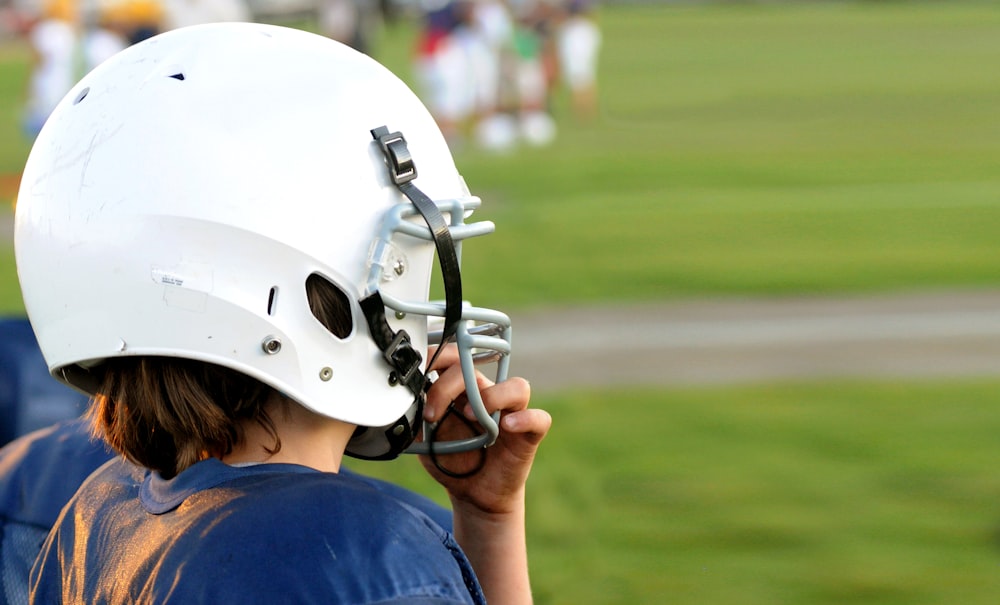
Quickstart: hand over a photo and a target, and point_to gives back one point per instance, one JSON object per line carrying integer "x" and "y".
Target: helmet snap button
{"x": 271, "y": 345}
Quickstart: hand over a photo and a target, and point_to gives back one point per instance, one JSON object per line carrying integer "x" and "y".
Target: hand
{"x": 488, "y": 506}
{"x": 498, "y": 487}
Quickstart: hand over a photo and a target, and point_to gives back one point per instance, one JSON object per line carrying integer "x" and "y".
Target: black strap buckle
{"x": 397, "y": 154}
{"x": 404, "y": 359}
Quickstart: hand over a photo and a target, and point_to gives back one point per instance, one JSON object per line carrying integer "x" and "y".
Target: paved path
{"x": 731, "y": 341}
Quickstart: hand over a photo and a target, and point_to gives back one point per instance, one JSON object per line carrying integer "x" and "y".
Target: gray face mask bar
{"x": 491, "y": 340}
{"x": 483, "y": 335}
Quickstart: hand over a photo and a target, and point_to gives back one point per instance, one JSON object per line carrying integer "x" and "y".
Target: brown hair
{"x": 166, "y": 413}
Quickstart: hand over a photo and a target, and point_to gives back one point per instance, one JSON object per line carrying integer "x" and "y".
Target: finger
{"x": 533, "y": 424}
{"x": 447, "y": 378}
{"x": 449, "y": 386}
{"x": 447, "y": 358}
{"x": 508, "y": 396}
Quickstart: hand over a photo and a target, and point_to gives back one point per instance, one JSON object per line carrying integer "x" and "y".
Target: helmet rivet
{"x": 400, "y": 315}
{"x": 393, "y": 379}
{"x": 325, "y": 374}
{"x": 399, "y": 266}
{"x": 398, "y": 430}
{"x": 271, "y": 345}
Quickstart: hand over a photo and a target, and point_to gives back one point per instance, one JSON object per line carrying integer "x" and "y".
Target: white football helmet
{"x": 179, "y": 197}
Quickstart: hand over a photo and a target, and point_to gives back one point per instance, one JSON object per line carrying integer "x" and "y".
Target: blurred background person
{"x": 116, "y": 24}
{"x": 493, "y": 26}
{"x": 578, "y": 42}
{"x": 181, "y": 13}
{"x": 351, "y": 22}
{"x": 532, "y": 69}
{"x": 481, "y": 34}
{"x": 52, "y": 36}
{"x": 104, "y": 35}
{"x": 470, "y": 73}
{"x": 441, "y": 68}
{"x": 136, "y": 19}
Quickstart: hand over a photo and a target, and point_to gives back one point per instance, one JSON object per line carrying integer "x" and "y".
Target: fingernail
{"x": 429, "y": 414}
{"x": 510, "y": 423}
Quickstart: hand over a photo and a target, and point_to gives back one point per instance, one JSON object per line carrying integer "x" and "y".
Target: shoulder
{"x": 346, "y": 536}
{"x": 40, "y": 471}
{"x": 439, "y": 514}
{"x": 347, "y": 506}
{"x": 92, "y": 514}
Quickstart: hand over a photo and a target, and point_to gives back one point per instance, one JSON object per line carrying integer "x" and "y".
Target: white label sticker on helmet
{"x": 186, "y": 285}
{"x": 193, "y": 276}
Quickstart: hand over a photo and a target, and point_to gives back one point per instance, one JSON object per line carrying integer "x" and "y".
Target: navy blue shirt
{"x": 39, "y": 472}
{"x": 269, "y": 533}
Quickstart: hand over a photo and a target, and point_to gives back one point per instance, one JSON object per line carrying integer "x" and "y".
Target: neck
{"x": 307, "y": 438}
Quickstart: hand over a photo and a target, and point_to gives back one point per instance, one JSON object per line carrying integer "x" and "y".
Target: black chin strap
{"x": 402, "y": 170}
{"x": 397, "y": 350}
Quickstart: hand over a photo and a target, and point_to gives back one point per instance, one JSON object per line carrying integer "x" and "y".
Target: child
{"x": 219, "y": 238}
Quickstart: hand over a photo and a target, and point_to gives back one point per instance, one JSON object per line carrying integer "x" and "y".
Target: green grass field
{"x": 750, "y": 149}
{"x": 744, "y": 149}
{"x": 819, "y": 493}
{"x": 762, "y": 150}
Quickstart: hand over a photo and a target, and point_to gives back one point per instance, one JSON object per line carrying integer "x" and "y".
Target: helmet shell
{"x": 179, "y": 196}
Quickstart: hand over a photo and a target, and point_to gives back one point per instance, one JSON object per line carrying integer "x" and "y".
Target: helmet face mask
{"x": 181, "y": 195}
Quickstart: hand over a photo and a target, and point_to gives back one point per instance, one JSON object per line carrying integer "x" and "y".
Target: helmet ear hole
{"x": 330, "y": 305}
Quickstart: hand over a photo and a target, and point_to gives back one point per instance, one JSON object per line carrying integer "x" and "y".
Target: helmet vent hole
{"x": 177, "y": 76}
{"x": 329, "y": 305}
{"x": 83, "y": 95}
{"x": 272, "y": 300}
